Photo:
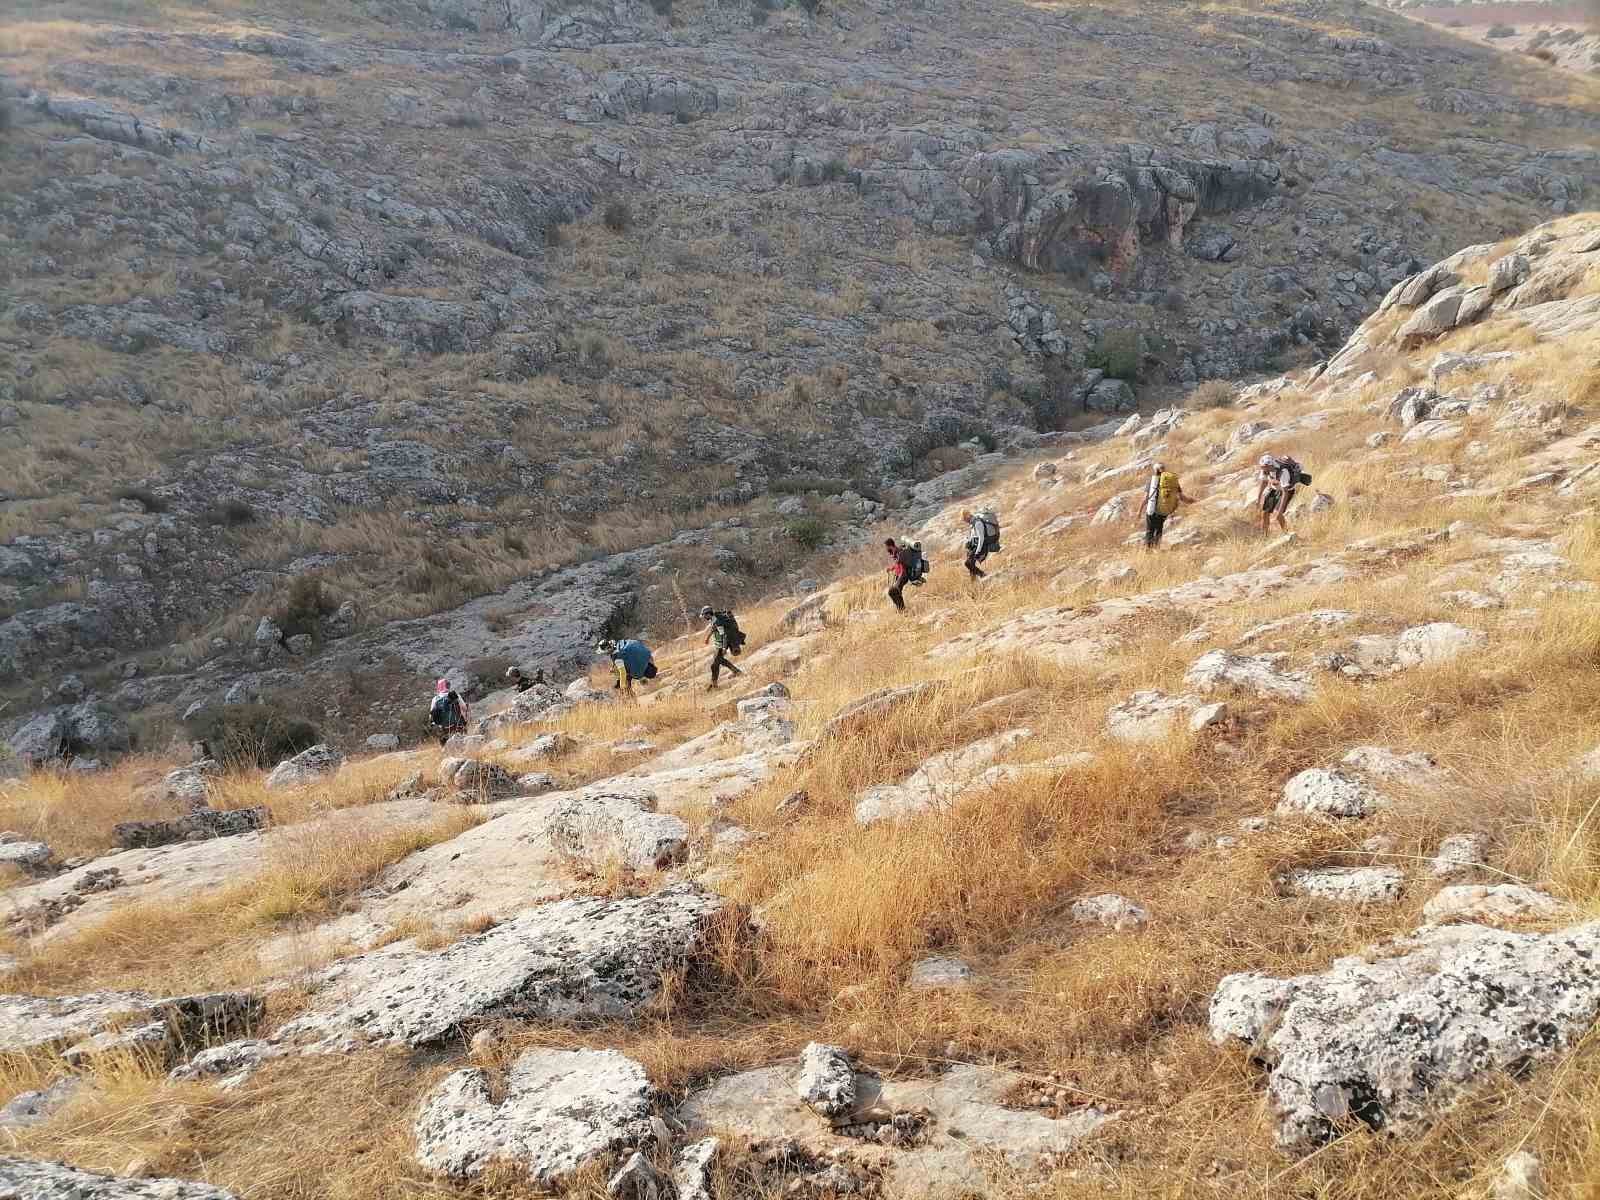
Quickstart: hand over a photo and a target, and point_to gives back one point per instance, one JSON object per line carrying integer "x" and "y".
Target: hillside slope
{"x": 1256, "y": 862}
{"x": 424, "y": 299}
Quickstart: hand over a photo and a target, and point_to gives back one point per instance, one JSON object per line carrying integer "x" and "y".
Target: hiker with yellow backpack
{"x": 1161, "y": 500}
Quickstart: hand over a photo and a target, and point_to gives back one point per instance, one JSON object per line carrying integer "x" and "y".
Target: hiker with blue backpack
{"x": 983, "y": 539}
{"x": 722, "y": 628}
{"x": 631, "y": 660}
{"x": 448, "y": 713}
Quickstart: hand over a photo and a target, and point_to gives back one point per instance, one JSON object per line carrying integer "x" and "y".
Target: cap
{"x": 442, "y": 686}
{"x": 513, "y": 672}
{"x": 706, "y": 610}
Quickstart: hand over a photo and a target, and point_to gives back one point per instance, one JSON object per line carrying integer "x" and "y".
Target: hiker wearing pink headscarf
{"x": 448, "y": 714}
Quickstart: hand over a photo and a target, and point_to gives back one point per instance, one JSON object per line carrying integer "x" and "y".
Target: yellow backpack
{"x": 1167, "y": 494}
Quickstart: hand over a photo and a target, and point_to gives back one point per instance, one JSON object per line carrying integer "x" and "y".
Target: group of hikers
{"x": 1278, "y": 478}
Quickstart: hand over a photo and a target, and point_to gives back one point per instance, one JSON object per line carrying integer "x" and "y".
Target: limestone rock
{"x": 191, "y": 785}
{"x": 563, "y": 1110}
{"x": 1257, "y": 675}
{"x": 474, "y": 781}
{"x": 1417, "y": 769}
{"x": 1111, "y": 910}
{"x": 1149, "y": 716}
{"x": 1438, "y": 642}
{"x": 938, "y": 974}
{"x": 1391, "y": 1042}
{"x": 1349, "y": 885}
{"x": 639, "y": 1179}
{"x": 691, "y": 1172}
{"x": 29, "y": 856}
{"x": 1506, "y": 273}
{"x": 22, "y": 1179}
{"x": 200, "y": 825}
{"x": 304, "y": 768}
{"x": 875, "y": 704}
{"x": 827, "y": 1081}
{"x": 577, "y": 959}
{"x": 35, "y": 1108}
{"x": 600, "y": 828}
{"x": 969, "y": 1123}
{"x": 939, "y": 781}
{"x": 1492, "y": 904}
{"x": 383, "y": 742}
{"x": 1459, "y": 854}
{"x": 1321, "y": 792}
{"x": 1521, "y": 1178}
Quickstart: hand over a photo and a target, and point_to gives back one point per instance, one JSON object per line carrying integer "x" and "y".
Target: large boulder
{"x": 1324, "y": 793}
{"x": 1392, "y": 1041}
{"x": 1150, "y": 716}
{"x": 24, "y": 1179}
{"x": 1492, "y": 904}
{"x": 307, "y": 767}
{"x": 1437, "y": 642}
{"x": 87, "y": 728}
{"x": 1110, "y": 396}
{"x": 597, "y": 829}
{"x": 559, "y": 1111}
{"x": 586, "y": 958}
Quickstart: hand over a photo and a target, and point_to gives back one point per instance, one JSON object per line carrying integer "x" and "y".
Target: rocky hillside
{"x": 347, "y": 314}
{"x": 1565, "y": 35}
{"x": 1259, "y": 861}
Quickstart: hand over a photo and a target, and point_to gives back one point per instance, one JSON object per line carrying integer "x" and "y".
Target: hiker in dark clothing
{"x": 448, "y": 713}
{"x": 897, "y": 574}
{"x": 631, "y": 659}
{"x": 723, "y": 631}
{"x": 983, "y": 539}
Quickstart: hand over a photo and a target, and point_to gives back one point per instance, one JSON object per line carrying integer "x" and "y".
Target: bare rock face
{"x": 1149, "y": 716}
{"x": 21, "y": 1179}
{"x": 576, "y": 959}
{"x": 46, "y": 1023}
{"x": 1439, "y": 642}
{"x": 1391, "y": 1042}
{"x": 939, "y": 781}
{"x": 1493, "y": 904}
{"x": 827, "y": 1081}
{"x": 599, "y": 828}
{"x": 562, "y": 1110}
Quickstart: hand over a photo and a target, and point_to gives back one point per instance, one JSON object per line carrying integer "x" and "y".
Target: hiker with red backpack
{"x": 906, "y": 568}
{"x": 1162, "y": 496}
{"x": 1278, "y": 476}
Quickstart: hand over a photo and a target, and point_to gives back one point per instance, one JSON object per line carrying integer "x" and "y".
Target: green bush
{"x": 809, "y": 533}
{"x": 1116, "y": 352}
{"x": 305, "y": 606}
{"x": 251, "y": 735}
{"x": 231, "y": 513}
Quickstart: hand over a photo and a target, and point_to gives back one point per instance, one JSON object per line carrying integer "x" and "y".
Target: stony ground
{"x": 1261, "y": 861}
{"x": 442, "y": 301}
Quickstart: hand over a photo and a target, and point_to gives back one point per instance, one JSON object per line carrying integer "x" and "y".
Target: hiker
{"x": 1161, "y": 499}
{"x": 449, "y": 712}
{"x": 1279, "y": 476}
{"x": 984, "y": 539}
{"x": 521, "y": 682}
{"x": 722, "y": 630}
{"x": 631, "y": 659}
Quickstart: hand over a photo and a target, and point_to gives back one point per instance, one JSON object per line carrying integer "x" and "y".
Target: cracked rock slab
{"x": 583, "y": 958}
{"x": 1111, "y": 910}
{"x": 23, "y": 1179}
{"x": 827, "y": 1081}
{"x": 562, "y": 1110}
{"x": 1493, "y": 904}
{"x": 1392, "y": 1042}
{"x": 970, "y": 1126}
{"x": 1348, "y": 885}
{"x": 1256, "y": 675}
{"x": 1325, "y": 793}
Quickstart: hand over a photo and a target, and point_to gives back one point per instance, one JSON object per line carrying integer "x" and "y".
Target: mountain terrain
{"x": 346, "y": 345}
{"x": 1262, "y": 863}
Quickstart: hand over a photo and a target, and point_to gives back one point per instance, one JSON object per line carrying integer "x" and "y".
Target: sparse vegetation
{"x": 618, "y": 215}
{"x": 252, "y": 735}
{"x": 809, "y": 533}
{"x": 1116, "y": 352}
{"x": 230, "y": 513}
{"x": 1213, "y": 393}
{"x": 144, "y": 496}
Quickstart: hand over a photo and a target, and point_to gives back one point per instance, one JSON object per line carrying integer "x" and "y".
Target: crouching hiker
{"x": 983, "y": 539}
{"x": 1162, "y": 496}
{"x": 723, "y": 632}
{"x": 1278, "y": 477}
{"x": 448, "y": 714}
{"x": 631, "y": 659}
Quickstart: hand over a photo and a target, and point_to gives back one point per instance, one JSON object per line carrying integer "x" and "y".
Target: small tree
{"x": 618, "y": 215}
{"x": 1116, "y": 353}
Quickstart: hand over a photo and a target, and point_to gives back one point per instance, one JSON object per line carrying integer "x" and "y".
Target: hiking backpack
{"x": 731, "y": 630}
{"x": 915, "y": 564}
{"x": 991, "y": 532}
{"x": 1166, "y": 494}
{"x": 443, "y": 711}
